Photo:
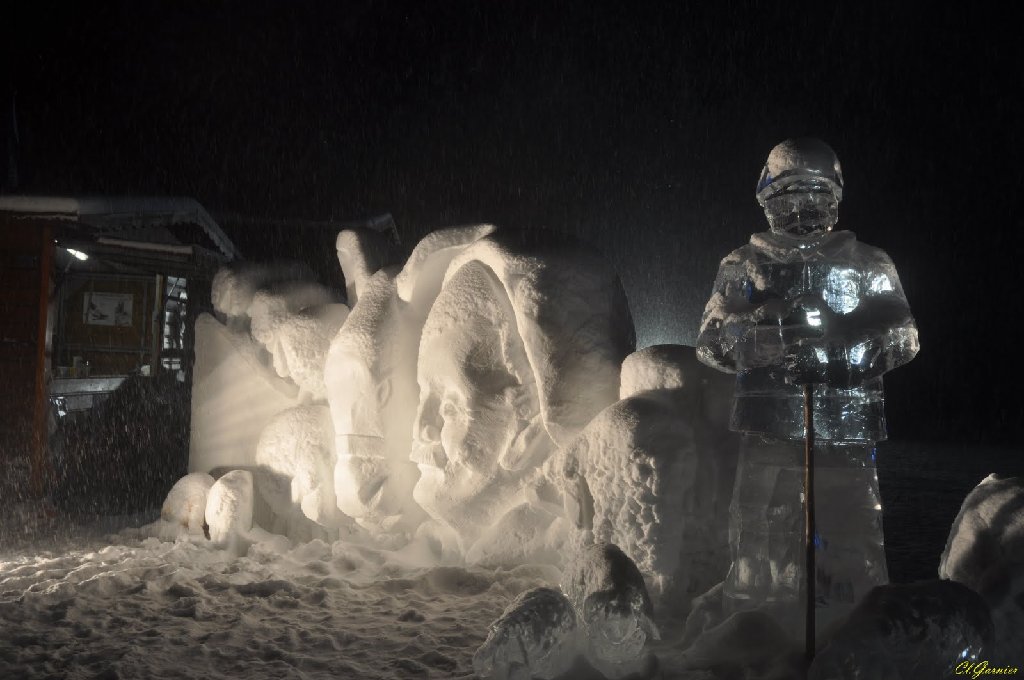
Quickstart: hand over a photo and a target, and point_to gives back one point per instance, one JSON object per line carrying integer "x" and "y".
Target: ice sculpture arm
{"x": 740, "y": 328}
{"x": 876, "y": 336}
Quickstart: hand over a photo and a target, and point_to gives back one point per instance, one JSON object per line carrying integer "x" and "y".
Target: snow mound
{"x": 185, "y": 504}
{"x": 229, "y": 507}
{"x": 926, "y": 629}
{"x": 988, "y": 531}
{"x": 652, "y": 473}
{"x": 295, "y": 459}
{"x": 985, "y": 552}
{"x": 658, "y": 367}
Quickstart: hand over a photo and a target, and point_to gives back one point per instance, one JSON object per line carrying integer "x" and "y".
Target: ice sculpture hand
{"x": 809, "y": 317}
{"x": 774, "y": 311}
{"x": 804, "y": 365}
{"x": 825, "y": 363}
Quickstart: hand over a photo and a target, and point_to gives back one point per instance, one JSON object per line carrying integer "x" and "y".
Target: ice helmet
{"x": 802, "y": 165}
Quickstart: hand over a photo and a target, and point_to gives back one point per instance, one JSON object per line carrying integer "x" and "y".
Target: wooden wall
{"x": 26, "y": 267}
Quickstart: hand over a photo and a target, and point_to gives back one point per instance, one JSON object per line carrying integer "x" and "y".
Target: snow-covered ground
{"x": 133, "y": 607}
{"x": 78, "y": 601}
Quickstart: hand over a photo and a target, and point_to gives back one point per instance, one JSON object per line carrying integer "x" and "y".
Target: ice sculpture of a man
{"x": 520, "y": 350}
{"x": 801, "y": 304}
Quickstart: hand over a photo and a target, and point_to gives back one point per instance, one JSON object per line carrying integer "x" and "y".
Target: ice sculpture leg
{"x": 766, "y": 530}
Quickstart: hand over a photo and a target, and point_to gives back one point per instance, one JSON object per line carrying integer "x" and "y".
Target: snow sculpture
{"x": 370, "y": 372}
{"x": 985, "y": 552}
{"x": 361, "y": 254}
{"x": 535, "y": 637}
{"x": 636, "y": 477}
{"x": 613, "y": 606}
{"x": 296, "y": 326}
{"x": 805, "y": 304}
{"x": 234, "y": 395}
{"x": 185, "y": 505}
{"x": 265, "y": 356}
{"x": 295, "y": 469}
{"x": 928, "y": 629}
{"x": 234, "y": 287}
{"x": 519, "y": 351}
{"x": 229, "y": 507}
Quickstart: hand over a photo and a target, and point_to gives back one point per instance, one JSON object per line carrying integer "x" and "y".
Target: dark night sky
{"x": 640, "y": 127}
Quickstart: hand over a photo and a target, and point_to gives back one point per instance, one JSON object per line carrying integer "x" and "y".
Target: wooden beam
{"x": 157, "y": 325}
{"x": 39, "y": 463}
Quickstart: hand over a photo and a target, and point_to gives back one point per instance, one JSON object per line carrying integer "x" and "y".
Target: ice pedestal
{"x": 535, "y": 637}
{"x": 615, "y": 611}
{"x": 766, "y": 531}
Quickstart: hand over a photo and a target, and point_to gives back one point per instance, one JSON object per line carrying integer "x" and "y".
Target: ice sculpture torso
{"x": 871, "y": 329}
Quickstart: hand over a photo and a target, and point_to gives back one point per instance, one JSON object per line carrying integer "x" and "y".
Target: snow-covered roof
{"x": 123, "y": 212}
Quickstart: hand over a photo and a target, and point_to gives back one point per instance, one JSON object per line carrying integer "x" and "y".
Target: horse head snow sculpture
{"x": 371, "y": 377}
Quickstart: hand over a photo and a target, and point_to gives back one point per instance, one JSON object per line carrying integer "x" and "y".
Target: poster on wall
{"x": 107, "y": 309}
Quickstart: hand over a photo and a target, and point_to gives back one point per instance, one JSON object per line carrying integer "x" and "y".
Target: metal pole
{"x": 809, "y": 569}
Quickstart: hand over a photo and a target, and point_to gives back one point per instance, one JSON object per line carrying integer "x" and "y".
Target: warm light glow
{"x": 78, "y": 253}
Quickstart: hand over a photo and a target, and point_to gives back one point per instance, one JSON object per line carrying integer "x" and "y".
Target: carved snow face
{"x": 467, "y": 419}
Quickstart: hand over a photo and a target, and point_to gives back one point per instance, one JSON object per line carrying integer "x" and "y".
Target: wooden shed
{"x": 91, "y": 291}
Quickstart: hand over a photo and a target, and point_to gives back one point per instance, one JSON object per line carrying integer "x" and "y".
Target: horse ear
{"x": 530, "y": 441}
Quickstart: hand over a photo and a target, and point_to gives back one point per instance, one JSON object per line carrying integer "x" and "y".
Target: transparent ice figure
{"x": 615, "y": 610}
{"x": 535, "y": 637}
{"x": 805, "y": 304}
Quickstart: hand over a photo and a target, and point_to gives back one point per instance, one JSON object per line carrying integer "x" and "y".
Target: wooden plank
{"x": 40, "y": 464}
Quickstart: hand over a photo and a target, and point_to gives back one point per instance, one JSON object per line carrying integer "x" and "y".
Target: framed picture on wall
{"x": 107, "y": 309}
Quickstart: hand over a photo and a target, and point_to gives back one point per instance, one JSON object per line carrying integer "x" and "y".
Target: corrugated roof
{"x": 118, "y": 213}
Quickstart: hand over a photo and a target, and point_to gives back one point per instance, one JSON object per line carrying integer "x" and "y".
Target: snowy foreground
{"x": 133, "y": 606}
{"x": 139, "y": 607}
{"x": 130, "y": 605}
{"x": 79, "y": 602}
